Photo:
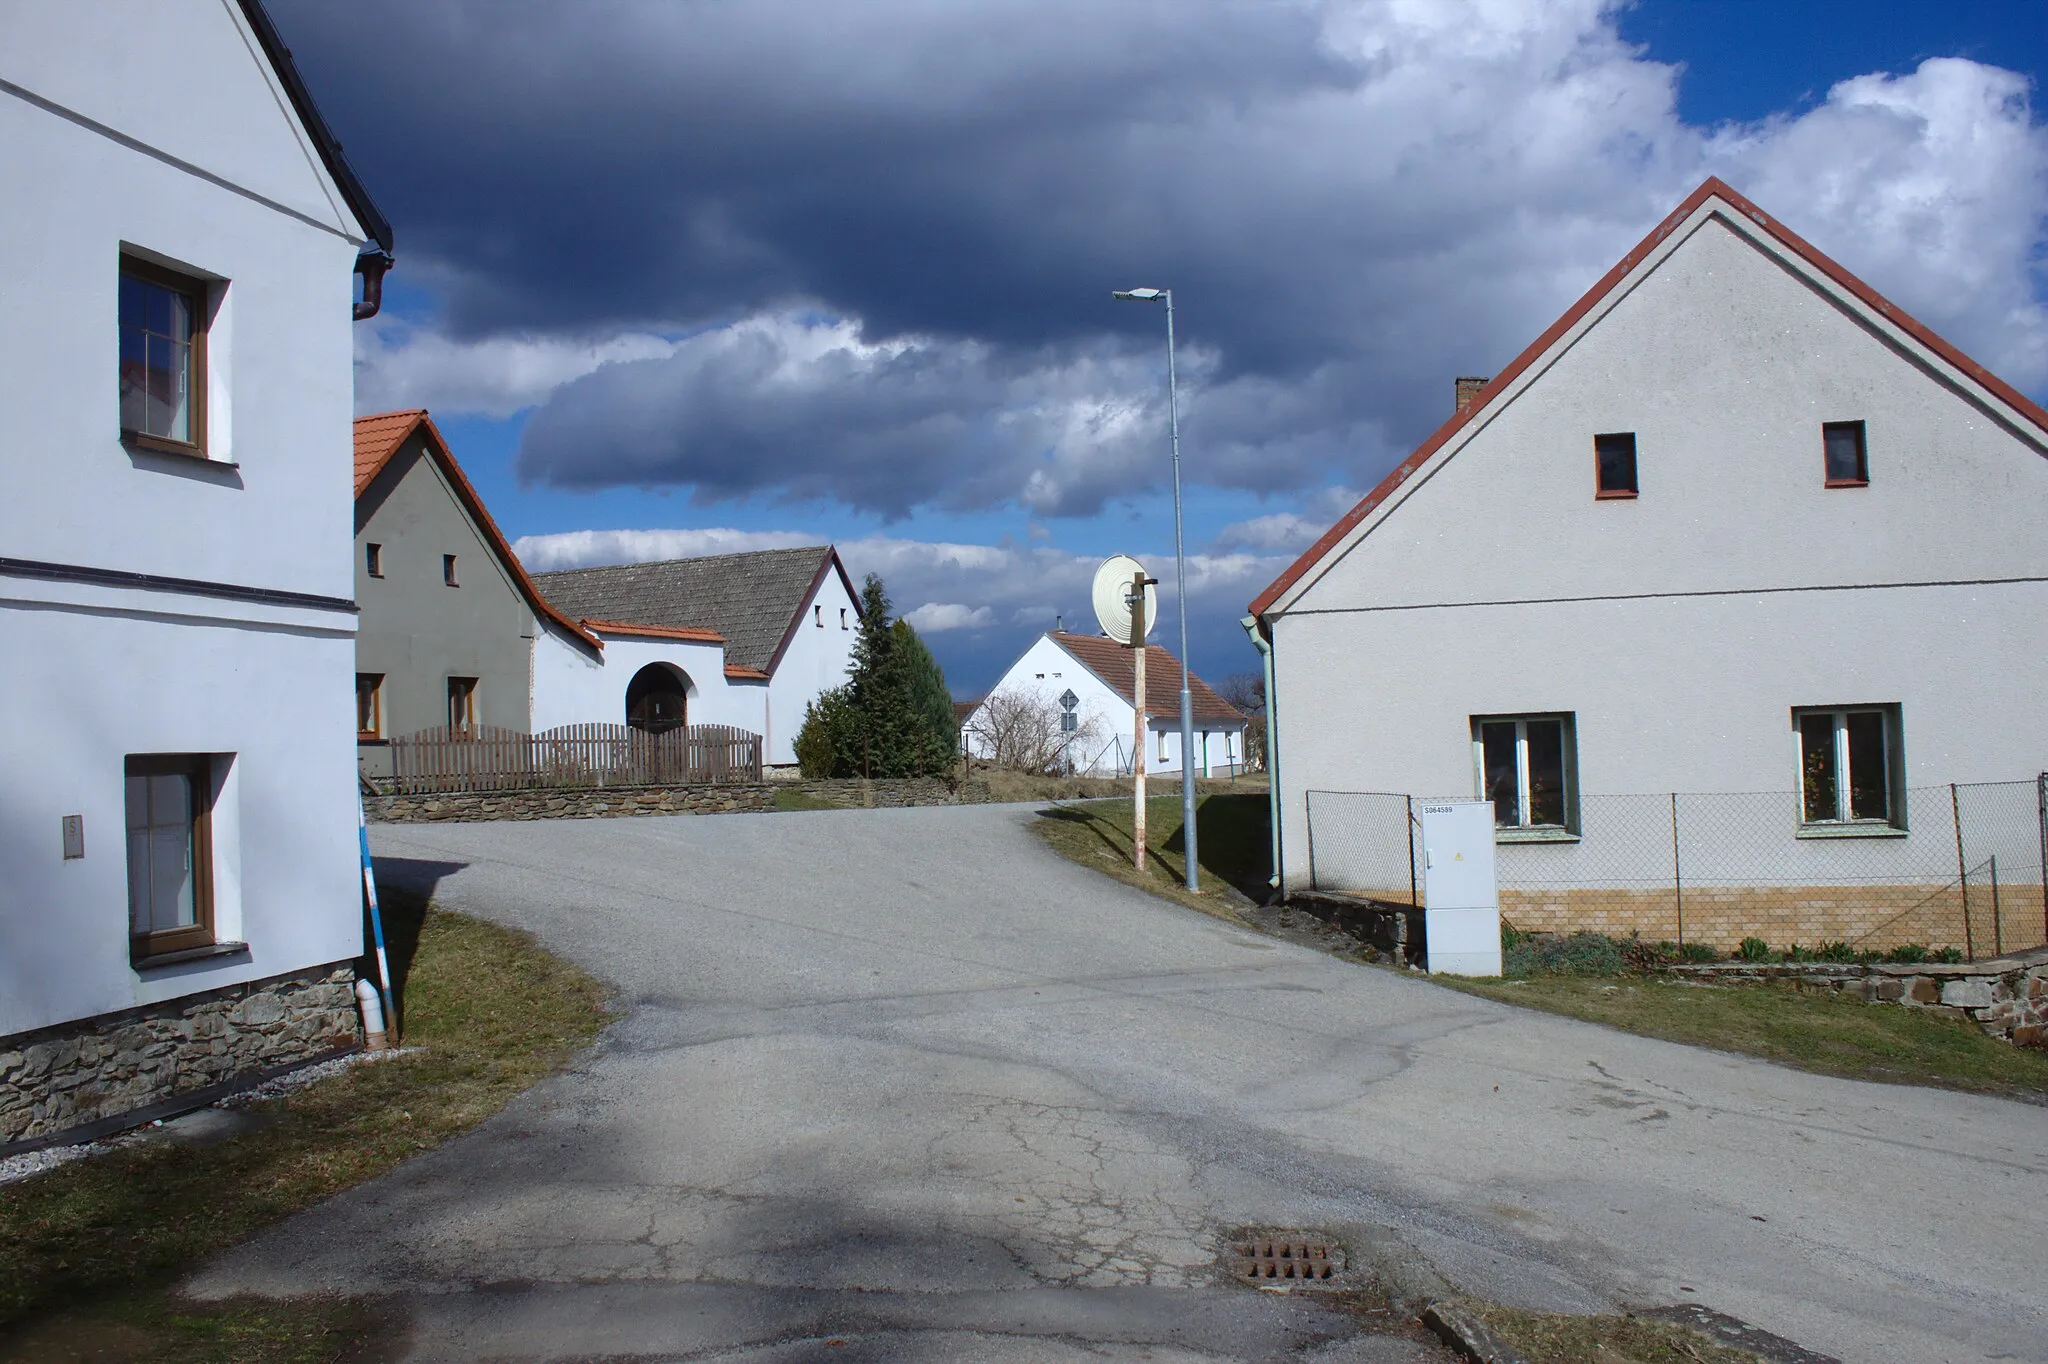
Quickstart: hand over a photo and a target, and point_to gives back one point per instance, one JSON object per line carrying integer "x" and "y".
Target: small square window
{"x": 1850, "y": 768}
{"x": 448, "y": 571}
{"x": 1614, "y": 465}
{"x": 170, "y": 853}
{"x": 462, "y": 704}
{"x": 369, "y": 705}
{"x": 162, "y": 357}
{"x": 373, "y": 560}
{"x": 1848, "y": 463}
{"x": 1527, "y": 765}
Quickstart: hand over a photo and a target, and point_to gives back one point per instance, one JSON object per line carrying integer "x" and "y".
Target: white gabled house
{"x": 1733, "y": 524}
{"x": 747, "y": 640}
{"x": 1090, "y": 683}
{"x": 178, "y": 839}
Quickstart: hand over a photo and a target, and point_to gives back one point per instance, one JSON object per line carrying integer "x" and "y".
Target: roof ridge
{"x": 685, "y": 559}
{"x": 1713, "y": 187}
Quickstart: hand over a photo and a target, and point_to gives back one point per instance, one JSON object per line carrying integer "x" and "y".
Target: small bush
{"x": 1581, "y": 954}
{"x": 1754, "y": 949}
{"x": 1834, "y": 951}
{"x": 1947, "y": 955}
{"x": 1907, "y": 954}
{"x": 1697, "y": 953}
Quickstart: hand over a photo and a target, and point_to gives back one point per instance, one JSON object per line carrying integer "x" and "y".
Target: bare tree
{"x": 1247, "y": 692}
{"x": 1026, "y": 732}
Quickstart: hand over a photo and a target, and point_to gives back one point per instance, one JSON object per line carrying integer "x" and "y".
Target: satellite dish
{"x": 1111, "y": 594}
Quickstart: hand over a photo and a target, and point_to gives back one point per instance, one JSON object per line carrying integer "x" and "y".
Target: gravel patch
{"x": 31, "y": 1163}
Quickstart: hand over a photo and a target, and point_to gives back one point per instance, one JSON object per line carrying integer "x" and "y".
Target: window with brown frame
{"x": 1847, "y": 458}
{"x": 369, "y": 705}
{"x": 163, "y": 317}
{"x": 1614, "y": 465}
{"x": 448, "y": 571}
{"x": 462, "y": 703}
{"x": 170, "y": 853}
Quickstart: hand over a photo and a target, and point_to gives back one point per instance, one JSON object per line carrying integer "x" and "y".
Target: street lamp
{"x": 1180, "y": 591}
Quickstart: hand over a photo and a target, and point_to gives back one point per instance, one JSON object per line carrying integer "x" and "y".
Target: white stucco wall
{"x": 819, "y": 654}
{"x": 572, "y": 688}
{"x": 1046, "y": 670}
{"x": 1683, "y": 627}
{"x": 95, "y": 673}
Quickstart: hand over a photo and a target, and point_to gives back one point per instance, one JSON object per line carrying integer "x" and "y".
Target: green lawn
{"x": 87, "y": 1251}
{"x": 1826, "y": 1033}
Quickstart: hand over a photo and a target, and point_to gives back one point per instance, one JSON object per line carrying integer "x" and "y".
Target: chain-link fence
{"x": 1963, "y": 869}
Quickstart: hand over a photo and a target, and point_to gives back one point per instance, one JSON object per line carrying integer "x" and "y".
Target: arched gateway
{"x": 657, "y": 699}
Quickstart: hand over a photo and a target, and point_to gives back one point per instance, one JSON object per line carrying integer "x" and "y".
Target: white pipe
{"x": 372, "y": 1009}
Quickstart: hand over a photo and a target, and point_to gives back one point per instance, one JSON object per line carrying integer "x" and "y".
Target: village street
{"x": 906, "y": 1079}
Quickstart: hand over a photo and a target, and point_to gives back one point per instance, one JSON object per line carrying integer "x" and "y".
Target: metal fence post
{"x": 1997, "y": 930}
{"x": 2041, "y": 807}
{"x": 1955, "y": 806}
{"x": 1677, "y": 877}
{"x": 1308, "y": 814}
{"x": 1408, "y": 829}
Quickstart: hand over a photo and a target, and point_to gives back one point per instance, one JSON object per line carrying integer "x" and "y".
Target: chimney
{"x": 1468, "y": 389}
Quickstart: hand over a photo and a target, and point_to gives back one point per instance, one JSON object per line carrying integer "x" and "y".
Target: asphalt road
{"x": 905, "y": 1080}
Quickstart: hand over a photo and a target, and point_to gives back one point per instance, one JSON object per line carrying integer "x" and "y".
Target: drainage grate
{"x": 1265, "y": 1259}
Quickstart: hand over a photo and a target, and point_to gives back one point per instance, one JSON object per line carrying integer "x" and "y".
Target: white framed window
{"x": 818, "y": 616}
{"x": 1527, "y": 765}
{"x": 1162, "y": 745}
{"x": 1850, "y": 767}
{"x": 842, "y": 619}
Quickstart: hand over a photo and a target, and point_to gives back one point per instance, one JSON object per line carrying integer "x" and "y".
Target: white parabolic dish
{"x": 1112, "y": 597}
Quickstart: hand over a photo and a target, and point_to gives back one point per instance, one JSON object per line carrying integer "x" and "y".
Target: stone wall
{"x": 62, "y": 1077}
{"x": 599, "y": 802}
{"x": 896, "y": 792}
{"x": 2007, "y": 996}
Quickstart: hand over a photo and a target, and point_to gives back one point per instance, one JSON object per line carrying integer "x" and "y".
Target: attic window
{"x": 1614, "y": 465}
{"x": 373, "y": 559}
{"x": 818, "y": 616}
{"x": 1847, "y": 463}
{"x": 448, "y": 570}
{"x": 842, "y": 619}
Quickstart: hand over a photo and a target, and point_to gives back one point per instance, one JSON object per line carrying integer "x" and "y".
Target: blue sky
{"x": 677, "y": 279}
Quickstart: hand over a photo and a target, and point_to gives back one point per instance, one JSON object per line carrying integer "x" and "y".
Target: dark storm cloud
{"x": 864, "y": 250}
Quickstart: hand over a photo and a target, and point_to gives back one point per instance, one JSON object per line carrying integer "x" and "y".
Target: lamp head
{"x": 1139, "y": 295}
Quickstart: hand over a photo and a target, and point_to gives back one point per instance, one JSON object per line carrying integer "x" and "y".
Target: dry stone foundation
{"x": 2007, "y": 996}
{"x": 595, "y": 802}
{"x": 58, "y": 1078}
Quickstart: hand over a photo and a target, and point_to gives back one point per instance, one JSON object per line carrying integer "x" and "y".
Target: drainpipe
{"x": 1265, "y": 648}
{"x": 371, "y": 265}
{"x": 372, "y": 1007}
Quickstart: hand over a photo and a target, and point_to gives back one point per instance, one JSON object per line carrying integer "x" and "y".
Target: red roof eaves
{"x": 437, "y": 447}
{"x": 740, "y": 674}
{"x": 625, "y": 627}
{"x": 1712, "y": 187}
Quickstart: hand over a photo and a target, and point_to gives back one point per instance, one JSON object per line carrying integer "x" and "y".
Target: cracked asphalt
{"x": 902, "y": 1084}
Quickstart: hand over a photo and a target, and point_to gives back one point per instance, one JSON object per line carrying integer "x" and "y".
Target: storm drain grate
{"x": 1268, "y": 1259}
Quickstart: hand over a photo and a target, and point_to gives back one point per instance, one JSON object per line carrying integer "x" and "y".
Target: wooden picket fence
{"x": 488, "y": 758}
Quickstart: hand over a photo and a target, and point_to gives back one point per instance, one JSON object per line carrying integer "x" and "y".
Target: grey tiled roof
{"x": 749, "y": 598}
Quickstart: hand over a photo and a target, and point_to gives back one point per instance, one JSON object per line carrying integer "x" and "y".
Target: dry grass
{"x": 1825, "y": 1033}
{"x": 1008, "y": 786}
{"x": 87, "y": 1251}
{"x": 1547, "y": 1338}
{"x": 1230, "y": 839}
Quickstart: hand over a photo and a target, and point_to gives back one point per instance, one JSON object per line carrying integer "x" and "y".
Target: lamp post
{"x": 1180, "y": 591}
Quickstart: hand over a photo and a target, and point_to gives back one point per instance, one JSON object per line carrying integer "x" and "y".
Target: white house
{"x": 747, "y": 640}
{"x": 1712, "y": 590}
{"x": 178, "y": 840}
{"x": 1090, "y": 683}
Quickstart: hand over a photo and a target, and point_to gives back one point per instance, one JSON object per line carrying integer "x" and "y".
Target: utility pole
{"x": 1137, "y": 600}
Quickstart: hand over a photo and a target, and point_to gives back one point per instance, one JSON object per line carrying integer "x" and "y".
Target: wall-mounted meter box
{"x": 1460, "y": 897}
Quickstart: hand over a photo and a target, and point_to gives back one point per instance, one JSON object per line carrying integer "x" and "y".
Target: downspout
{"x": 1265, "y": 648}
{"x": 371, "y": 265}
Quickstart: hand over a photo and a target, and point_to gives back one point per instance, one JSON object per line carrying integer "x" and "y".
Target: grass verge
{"x": 1230, "y": 843}
{"x": 88, "y": 1251}
{"x": 1824, "y": 1033}
{"x": 793, "y": 798}
{"x": 1548, "y": 1338}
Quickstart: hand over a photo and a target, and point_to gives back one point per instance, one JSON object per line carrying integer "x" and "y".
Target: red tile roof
{"x": 380, "y": 437}
{"x": 1711, "y": 188}
{"x": 1115, "y": 665}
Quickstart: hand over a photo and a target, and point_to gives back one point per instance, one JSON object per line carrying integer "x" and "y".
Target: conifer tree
{"x": 894, "y": 716}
